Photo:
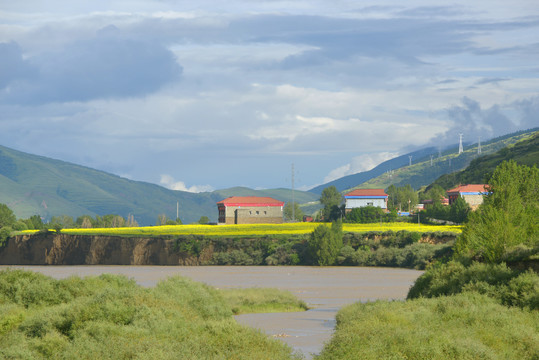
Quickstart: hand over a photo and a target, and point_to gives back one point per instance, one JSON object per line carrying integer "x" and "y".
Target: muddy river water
{"x": 324, "y": 289}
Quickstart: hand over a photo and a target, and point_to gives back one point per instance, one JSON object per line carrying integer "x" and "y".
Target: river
{"x": 324, "y": 289}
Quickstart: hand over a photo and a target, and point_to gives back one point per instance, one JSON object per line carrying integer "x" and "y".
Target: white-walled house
{"x": 365, "y": 197}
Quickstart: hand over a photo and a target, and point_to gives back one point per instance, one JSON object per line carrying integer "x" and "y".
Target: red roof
{"x": 367, "y": 192}
{"x": 250, "y": 201}
{"x": 469, "y": 188}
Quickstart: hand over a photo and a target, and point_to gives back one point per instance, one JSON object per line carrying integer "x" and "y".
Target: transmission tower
{"x": 410, "y": 158}
{"x": 479, "y": 146}
{"x": 431, "y": 160}
{"x": 461, "y": 150}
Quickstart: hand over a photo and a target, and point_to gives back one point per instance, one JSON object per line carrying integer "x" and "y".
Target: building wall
{"x": 355, "y": 203}
{"x": 253, "y": 215}
{"x": 473, "y": 200}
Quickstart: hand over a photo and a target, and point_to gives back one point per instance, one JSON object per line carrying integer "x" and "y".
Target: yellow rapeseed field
{"x": 252, "y": 229}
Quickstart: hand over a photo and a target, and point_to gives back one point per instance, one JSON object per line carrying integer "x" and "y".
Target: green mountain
{"x": 424, "y": 172}
{"x": 525, "y": 152}
{"x": 36, "y": 185}
{"x": 349, "y": 181}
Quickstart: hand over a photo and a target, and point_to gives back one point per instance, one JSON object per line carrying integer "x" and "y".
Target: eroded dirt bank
{"x": 62, "y": 249}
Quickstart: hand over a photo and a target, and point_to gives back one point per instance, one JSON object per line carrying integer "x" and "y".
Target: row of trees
{"x": 400, "y": 198}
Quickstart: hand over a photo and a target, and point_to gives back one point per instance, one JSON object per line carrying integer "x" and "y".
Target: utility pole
{"x": 293, "y": 200}
{"x": 410, "y": 158}
{"x": 461, "y": 149}
{"x": 431, "y": 160}
{"x": 177, "y": 210}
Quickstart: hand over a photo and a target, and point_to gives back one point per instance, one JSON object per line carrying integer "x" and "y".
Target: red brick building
{"x": 250, "y": 210}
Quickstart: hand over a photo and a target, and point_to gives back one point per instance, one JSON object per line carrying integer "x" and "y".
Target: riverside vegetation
{"x": 481, "y": 304}
{"x": 111, "y": 317}
{"x": 478, "y": 300}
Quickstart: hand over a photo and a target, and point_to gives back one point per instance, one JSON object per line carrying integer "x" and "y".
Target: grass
{"x": 250, "y": 230}
{"x": 464, "y": 326}
{"x": 111, "y": 317}
{"x": 262, "y": 300}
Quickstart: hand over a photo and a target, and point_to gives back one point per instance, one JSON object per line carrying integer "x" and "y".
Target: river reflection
{"x": 324, "y": 289}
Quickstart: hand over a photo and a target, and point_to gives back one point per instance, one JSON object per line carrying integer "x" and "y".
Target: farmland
{"x": 252, "y": 230}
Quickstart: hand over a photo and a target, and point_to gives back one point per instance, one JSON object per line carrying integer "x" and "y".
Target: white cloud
{"x": 169, "y": 182}
{"x": 263, "y": 83}
{"x": 360, "y": 163}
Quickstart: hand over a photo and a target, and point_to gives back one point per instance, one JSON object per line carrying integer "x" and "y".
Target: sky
{"x": 205, "y": 95}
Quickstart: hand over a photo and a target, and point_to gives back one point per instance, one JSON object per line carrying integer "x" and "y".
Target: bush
{"x": 325, "y": 244}
{"x": 507, "y": 218}
{"x": 465, "y": 326}
{"x": 507, "y": 286}
{"x": 110, "y": 317}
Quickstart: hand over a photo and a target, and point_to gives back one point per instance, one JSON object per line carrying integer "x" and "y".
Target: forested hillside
{"x": 479, "y": 171}
{"x": 425, "y": 171}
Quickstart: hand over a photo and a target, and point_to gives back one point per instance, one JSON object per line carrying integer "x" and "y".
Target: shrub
{"x": 325, "y": 244}
{"x": 110, "y": 317}
{"x": 465, "y": 326}
{"x": 507, "y": 286}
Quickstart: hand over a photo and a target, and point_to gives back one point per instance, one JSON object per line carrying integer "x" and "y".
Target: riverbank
{"x": 374, "y": 248}
{"x": 111, "y": 317}
{"x": 324, "y": 289}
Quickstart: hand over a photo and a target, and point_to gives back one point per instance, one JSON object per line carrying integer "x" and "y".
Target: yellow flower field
{"x": 252, "y": 229}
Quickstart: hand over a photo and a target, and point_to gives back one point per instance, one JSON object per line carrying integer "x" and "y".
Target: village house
{"x": 472, "y": 194}
{"x": 250, "y": 210}
{"x": 365, "y": 197}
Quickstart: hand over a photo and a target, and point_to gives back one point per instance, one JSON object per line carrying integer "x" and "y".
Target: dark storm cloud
{"x": 470, "y": 119}
{"x": 107, "y": 66}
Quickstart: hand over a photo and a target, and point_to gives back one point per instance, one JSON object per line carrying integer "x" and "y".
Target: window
{"x": 370, "y": 204}
{"x": 258, "y": 212}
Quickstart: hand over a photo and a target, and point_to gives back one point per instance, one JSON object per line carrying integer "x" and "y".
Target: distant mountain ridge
{"x": 350, "y": 181}
{"x": 398, "y": 172}
{"x": 525, "y": 152}
{"x": 37, "y": 185}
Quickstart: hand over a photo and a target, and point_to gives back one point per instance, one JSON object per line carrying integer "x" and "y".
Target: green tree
{"x": 402, "y": 198}
{"x": 62, "y": 221}
{"x": 366, "y": 214}
{"x": 298, "y": 213}
{"x": 204, "y": 220}
{"x": 392, "y": 202}
{"x": 507, "y": 217}
{"x": 84, "y": 221}
{"x": 325, "y": 244}
{"x": 435, "y": 193}
{"x": 331, "y": 199}
{"x": 7, "y": 217}
{"x": 34, "y": 222}
{"x": 458, "y": 213}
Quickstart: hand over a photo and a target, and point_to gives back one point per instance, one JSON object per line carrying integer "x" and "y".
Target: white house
{"x": 365, "y": 197}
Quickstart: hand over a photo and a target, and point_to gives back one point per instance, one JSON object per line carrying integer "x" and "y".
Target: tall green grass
{"x": 111, "y": 317}
{"x": 466, "y": 326}
{"x": 262, "y": 300}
